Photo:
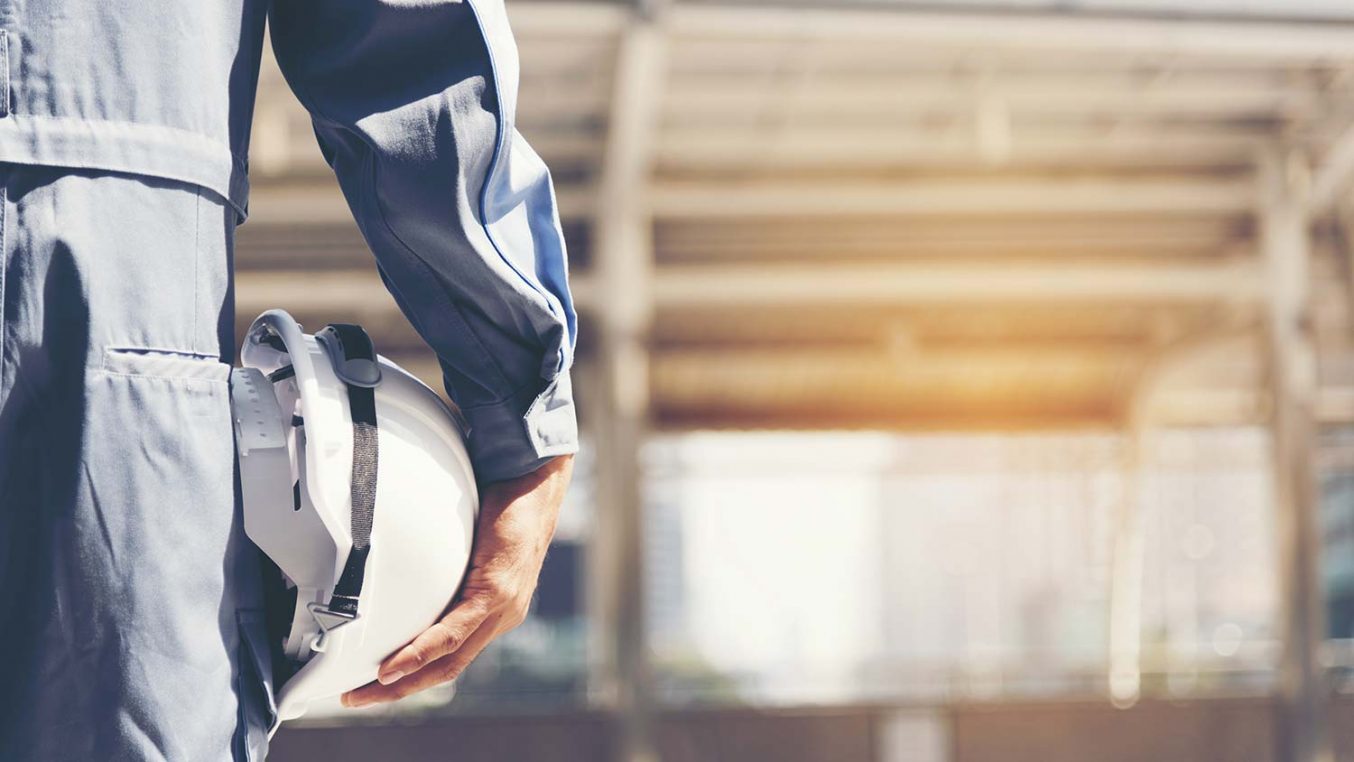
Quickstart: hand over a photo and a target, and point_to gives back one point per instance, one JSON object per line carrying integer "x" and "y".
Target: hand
{"x": 516, "y": 521}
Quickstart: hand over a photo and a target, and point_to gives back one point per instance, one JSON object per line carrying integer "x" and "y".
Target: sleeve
{"x": 413, "y": 106}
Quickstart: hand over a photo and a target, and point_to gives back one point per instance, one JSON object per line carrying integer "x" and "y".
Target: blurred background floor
{"x": 1211, "y": 730}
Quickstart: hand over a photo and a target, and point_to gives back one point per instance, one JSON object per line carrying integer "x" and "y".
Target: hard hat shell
{"x": 294, "y": 434}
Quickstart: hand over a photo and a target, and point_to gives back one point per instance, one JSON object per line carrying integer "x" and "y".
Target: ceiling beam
{"x": 689, "y": 287}
{"x": 1239, "y": 404}
{"x": 733, "y": 198}
{"x": 905, "y": 94}
{"x": 321, "y": 202}
{"x": 1060, "y": 31}
{"x": 700, "y": 286}
{"x": 902, "y": 93}
{"x": 1137, "y": 237}
{"x": 855, "y": 147}
{"x": 1290, "y": 41}
{"x": 531, "y": 18}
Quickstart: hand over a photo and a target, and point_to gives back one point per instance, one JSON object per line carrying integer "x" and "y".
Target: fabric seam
{"x": 500, "y": 138}
{"x": 197, "y": 259}
{"x": 369, "y": 192}
{"x": 161, "y": 377}
{"x": 183, "y": 354}
{"x": 4, "y": 62}
{"x": 168, "y": 132}
{"x": 369, "y": 195}
{"x": 4, "y": 275}
{"x": 26, "y": 145}
{"x": 127, "y": 358}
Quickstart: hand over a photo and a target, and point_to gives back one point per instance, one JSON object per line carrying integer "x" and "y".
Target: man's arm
{"x": 413, "y": 108}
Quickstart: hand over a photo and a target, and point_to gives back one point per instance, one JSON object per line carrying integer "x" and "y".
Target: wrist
{"x": 557, "y": 469}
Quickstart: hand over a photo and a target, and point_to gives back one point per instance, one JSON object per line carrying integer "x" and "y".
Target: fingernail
{"x": 389, "y": 677}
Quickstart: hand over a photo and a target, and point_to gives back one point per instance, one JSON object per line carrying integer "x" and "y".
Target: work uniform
{"x": 131, "y": 602}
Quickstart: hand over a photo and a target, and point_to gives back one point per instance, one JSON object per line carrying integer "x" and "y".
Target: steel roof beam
{"x": 835, "y": 198}
{"x": 1291, "y": 41}
{"x": 689, "y": 287}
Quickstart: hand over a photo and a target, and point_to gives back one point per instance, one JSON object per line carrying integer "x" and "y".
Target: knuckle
{"x": 483, "y": 583}
{"x": 501, "y": 589}
{"x": 440, "y": 639}
{"x": 455, "y": 638}
{"x": 419, "y": 655}
{"x": 505, "y": 587}
{"x": 488, "y": 601}
{"x": 477, "y": 596}
{"x": 471, "y": 614}
{"x": 443, "y": 638}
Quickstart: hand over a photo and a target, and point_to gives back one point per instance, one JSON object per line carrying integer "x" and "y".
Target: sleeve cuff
{"x": 520, "y": 434}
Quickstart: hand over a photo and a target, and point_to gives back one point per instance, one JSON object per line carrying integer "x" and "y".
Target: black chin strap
{"x": 354, "y": 359}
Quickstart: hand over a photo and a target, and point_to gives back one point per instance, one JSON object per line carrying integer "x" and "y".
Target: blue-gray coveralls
{"x": 130, "y": 623}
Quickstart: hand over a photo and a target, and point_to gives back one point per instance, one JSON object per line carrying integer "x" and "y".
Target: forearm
{"x": 413, "y": 107}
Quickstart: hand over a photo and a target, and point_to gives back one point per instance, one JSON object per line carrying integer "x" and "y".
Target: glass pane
{"x": 836, "y": 567}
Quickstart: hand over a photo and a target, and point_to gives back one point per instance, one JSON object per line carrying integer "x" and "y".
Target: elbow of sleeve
{"x": 520, "y": 434}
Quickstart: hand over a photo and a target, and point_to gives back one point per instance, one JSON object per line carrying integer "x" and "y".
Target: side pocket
{"x": 254, "y": 688}
{"x": 164, "y": 363}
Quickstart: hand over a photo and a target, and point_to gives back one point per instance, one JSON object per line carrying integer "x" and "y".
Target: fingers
{"x": 512, "y": 535}
{"x": 436, "y": 672}
{"x": 444, "y": 637}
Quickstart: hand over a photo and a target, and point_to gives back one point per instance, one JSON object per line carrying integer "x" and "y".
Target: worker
{"x": 131, "y": 597}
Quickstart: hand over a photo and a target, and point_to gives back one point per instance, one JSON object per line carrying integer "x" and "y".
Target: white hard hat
{"x": 356, "y": 483}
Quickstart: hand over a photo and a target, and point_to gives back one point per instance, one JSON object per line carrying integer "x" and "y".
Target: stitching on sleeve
{"x": 4, "y": 62}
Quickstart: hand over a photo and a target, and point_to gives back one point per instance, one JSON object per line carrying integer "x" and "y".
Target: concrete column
{"x": 1125, "y": 604}
{"x": 1303, "y": 689}
{"x": 623, "y": 246}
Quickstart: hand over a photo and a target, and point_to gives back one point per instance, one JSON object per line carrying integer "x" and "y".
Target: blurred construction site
{"x": 960, "y": 381}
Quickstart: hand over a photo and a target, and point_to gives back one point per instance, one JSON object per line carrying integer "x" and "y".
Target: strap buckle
{"x": 328, "y": 620}
{"x": 352, "y": 354}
